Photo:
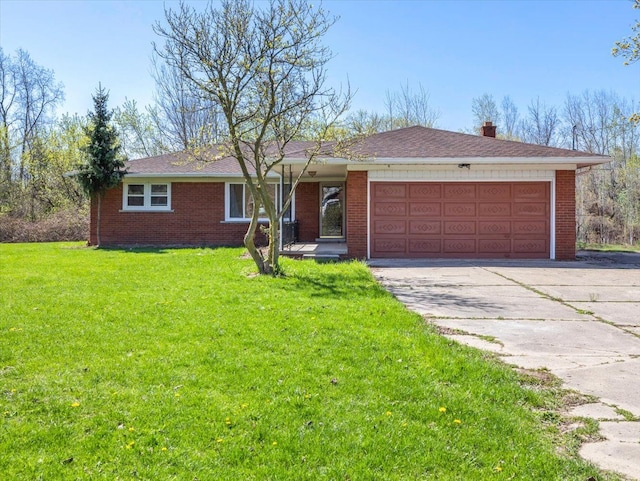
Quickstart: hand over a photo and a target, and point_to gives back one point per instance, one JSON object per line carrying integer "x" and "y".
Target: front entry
{"x": 332, "y": 210}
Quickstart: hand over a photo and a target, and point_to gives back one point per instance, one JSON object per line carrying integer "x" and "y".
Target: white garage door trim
{"x": 465, "y": 175}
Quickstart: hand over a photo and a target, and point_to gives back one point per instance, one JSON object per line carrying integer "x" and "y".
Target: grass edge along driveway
{"x": 183, "y": 364}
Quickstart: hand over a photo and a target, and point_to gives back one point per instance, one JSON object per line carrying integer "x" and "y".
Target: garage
{"x": 460, "y": 220}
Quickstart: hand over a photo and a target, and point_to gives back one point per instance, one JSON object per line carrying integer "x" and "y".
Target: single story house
{"x": 414, "y": 192}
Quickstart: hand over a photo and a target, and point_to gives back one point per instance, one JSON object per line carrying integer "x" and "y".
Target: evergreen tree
{"x": 104, "y": 167}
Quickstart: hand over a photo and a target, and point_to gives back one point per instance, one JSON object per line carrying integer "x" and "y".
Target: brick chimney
{"x": 488, "y": 130}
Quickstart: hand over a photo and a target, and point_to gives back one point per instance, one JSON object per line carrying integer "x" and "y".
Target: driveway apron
{"x": 580, "y": 320}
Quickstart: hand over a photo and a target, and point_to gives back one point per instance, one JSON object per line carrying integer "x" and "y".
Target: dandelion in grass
{"x": 219, "y": 440}
{"x": 457, "y": 421}
{"x": 131, "y": 429}
{"x": 163, "y": 449}
{"x": 275, "y": 443}
{"x": 388, "y": 413}
{"x": 227, "y": 422}
{"x": 498, "y": 468}
{"x": 75, "y": 404}
{"x": 443, "y": 409}
{"x": 130, "y": 445}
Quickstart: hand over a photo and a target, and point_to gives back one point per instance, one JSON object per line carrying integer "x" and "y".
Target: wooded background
{"x": 40, "y": 201}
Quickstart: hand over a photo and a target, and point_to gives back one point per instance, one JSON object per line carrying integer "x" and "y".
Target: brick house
{"x": 408, "y": 193}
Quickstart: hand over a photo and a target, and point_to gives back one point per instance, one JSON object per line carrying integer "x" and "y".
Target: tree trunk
{"x": 99, "y": 218}
{"x": 250, "y": 244}
{"x": 274, "y": 247}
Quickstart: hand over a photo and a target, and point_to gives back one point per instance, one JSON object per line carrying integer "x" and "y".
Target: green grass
{"x": 182, "y": 364}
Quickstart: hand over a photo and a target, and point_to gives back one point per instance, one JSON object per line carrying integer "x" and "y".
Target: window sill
{"x": 147, "y": 210}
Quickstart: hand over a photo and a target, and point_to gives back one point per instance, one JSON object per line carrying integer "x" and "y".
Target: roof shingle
{"x": 408, "y": 143}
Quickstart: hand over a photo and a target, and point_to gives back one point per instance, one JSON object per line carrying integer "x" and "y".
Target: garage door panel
{"x": 530, "y": 209}
{"x": 458, "y": 209}
{"x": 463, "y": 246}
{"x": 430, "y": 209}
{"x": 530, "y": 228}
{"x": 528, "y": 192}
{"x": 425, "y": 246}
{"x": 425, "y": 227}
{"x": 390, "y": 226}
{"x": 530, "y": 245}
{"x": 460, "y": 228}
{"x": 390, "y": 190}
{"x": 500, "y": 209}
{"x": 460, "y": 219}
{"x": 459, "y": 191}
{"x": 494, "y": 192}
{"x": 390, "y": 209}
{"x": 391, "y": 246}
{"x": 494, "y": 246}
{"x": 496, "y": 227}
{"x": 425, "y": 191}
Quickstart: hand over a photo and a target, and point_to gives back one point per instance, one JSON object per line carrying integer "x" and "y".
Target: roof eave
{"x": 192, "y": 174}
{"x": 485, "y": 160}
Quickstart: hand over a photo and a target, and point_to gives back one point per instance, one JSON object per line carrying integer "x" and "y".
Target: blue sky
{"x": 457, "y": 50}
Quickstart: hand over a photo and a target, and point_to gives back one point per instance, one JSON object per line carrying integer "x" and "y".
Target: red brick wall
{"x": 357, "y": 214}
{"x": 197, "y": 219}
{"x": 565, "y": 215}
{"x": 308, "y": 211}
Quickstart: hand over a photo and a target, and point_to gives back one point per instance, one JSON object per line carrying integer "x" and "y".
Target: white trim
{"x": 426, "y": 161}
{"x": 147, "y": 207}
{"x": 227, "y": 204}
{"x": 460, "y": 175}
{"x": 199, "y": 176}
{"x": 456, "y": 168}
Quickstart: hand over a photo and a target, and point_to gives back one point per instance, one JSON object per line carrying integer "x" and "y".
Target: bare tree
{"x": 542, "y": 124}
{"x": 138, "y": 132}
{"x": 592, "y": 115}
{"x": 265, "y": 68}
{"x": 511, "y": 119}
{"x": 36, "y": 94}
{"x": 185, "y": 117}
{"x": 363, "y": 122}
{"x": 409, "y": 107}
{"x": 485, "y": 109}
{"x": 7, "y": 116}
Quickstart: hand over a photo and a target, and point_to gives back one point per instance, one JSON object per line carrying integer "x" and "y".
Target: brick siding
{"x": 308, "y": 211}
{"x": 565, "y": 215}
{"x": 197, "y": 219}
{"x": 356, "y": 214}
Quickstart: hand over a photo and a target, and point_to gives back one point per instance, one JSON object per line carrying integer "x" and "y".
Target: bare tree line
{"x": 37, "y": 148}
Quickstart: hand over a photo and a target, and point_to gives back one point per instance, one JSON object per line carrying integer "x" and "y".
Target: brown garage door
{"x": 461, "y": 219}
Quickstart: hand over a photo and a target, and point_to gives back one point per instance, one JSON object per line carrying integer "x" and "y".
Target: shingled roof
{"x": 427, "y": 143}
{"x": 416, "y": 144}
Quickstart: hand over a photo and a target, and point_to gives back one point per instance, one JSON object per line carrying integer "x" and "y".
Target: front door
{"x": 332, "y": 210}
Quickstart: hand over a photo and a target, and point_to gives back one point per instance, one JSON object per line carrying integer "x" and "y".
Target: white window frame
{"x": 146, "y": 207}
{"x": 246, "y": 192}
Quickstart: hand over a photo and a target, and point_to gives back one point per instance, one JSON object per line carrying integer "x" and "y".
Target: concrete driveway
{"x": 580, "y": 320}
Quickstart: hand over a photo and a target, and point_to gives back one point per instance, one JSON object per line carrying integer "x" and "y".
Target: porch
{"x": 321, "y": 251}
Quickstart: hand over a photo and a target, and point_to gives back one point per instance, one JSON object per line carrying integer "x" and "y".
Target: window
{"x": 240, "y": 203}
{"x": 147, "y": 196}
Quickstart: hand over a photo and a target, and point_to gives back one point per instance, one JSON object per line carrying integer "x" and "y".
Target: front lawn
{"x": 182, "y": 364}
